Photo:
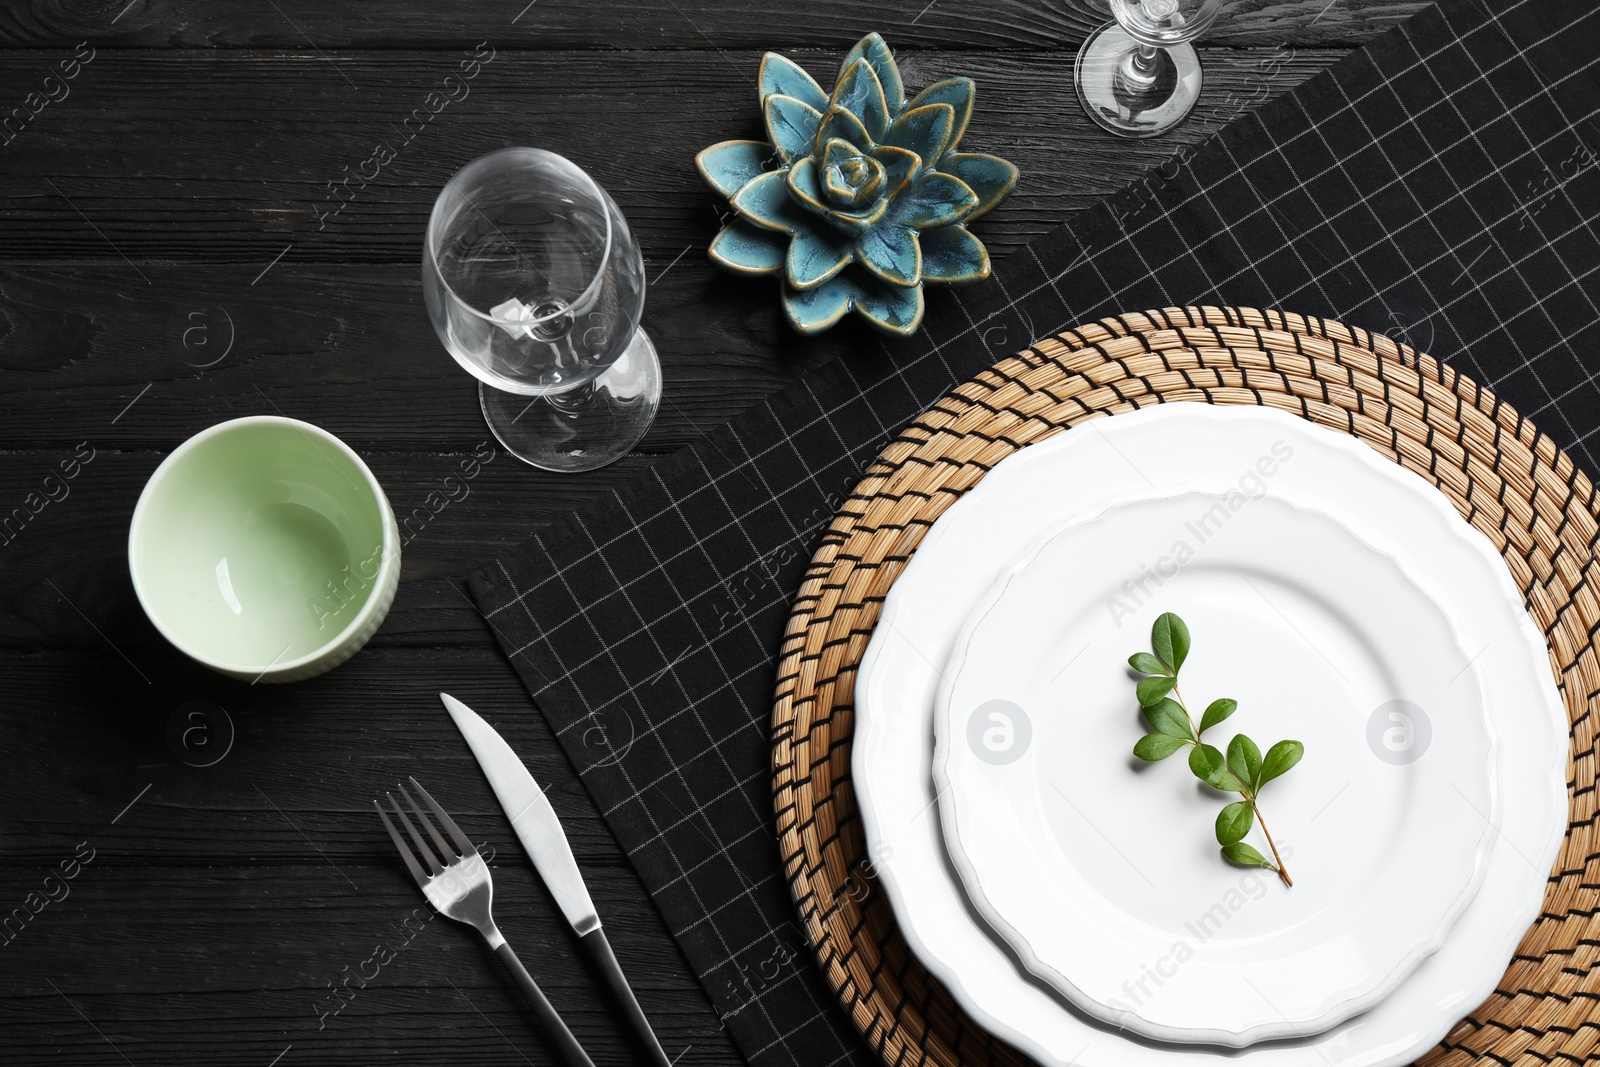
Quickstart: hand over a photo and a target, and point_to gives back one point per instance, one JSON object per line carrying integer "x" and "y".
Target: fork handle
{"x": 599, "y": 952}
{"x": 572, "y": 1053}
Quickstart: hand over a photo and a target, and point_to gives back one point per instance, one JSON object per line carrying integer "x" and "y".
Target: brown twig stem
{"x": 1283, "y": 871}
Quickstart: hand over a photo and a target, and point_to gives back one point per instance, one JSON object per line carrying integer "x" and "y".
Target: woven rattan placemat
{"x": 1505, "y": 478}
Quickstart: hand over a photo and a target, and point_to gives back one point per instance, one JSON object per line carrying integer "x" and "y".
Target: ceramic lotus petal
{"x": 858, "y": 196}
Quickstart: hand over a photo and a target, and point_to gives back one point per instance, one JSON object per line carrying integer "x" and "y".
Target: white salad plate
{"x": 1171, "y": 449}
{"x": 1102, "y": 872}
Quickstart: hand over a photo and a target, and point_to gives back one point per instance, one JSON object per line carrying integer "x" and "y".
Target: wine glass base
{"x": 1130, "y": 111}
{"x": 586, "y": 427}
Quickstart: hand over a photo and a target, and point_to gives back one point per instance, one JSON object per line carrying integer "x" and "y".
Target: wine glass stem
{"x": 571, "y": 401}
{"x": 1139, "y": 67}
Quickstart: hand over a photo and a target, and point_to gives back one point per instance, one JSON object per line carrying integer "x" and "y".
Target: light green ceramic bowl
{"x": 265, "y": 549}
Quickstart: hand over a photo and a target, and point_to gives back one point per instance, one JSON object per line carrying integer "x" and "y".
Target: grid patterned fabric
{"x": 1441, "y": 186}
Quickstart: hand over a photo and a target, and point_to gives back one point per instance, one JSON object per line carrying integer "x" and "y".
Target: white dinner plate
{"x": 1172, "y": 448}
{"x": 1102, "y": 872}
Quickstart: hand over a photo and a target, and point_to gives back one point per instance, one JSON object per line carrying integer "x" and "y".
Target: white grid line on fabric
{"x": 654, "y": 727}
{"x": 748, "y": 890}
{"x": 755, "y": 724}
{"x": 766, "y": 935}
{"x": 1328, "y": 219}
{"x": 1388, "y": 233}
{"x": 781, "y": 1038}
{"x": 1277, "y": 224}
{"x": 1456, "y": 42}
{"x": 723, "y": 849}
{"x": 700, "y": 825}
{"x": 755, "y": 828}
{"x": 713, "y": 743}
{"x": 736, "y": 518}
{"x": 1564, "y": 187}
{"x": 699, "y": 809}
{"x": 1363, "y": 200}
{"x": 846, "y": 1054}
{"x": 1461, "y": 192}
{"x": 1552, "y": 247}
{"x": 693, "y": 889}
{"x": 799, "y": 538}
{"x": 1591, "y": 432}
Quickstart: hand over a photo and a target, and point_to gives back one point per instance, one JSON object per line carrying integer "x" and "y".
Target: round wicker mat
{"x": 1504, "y": 477}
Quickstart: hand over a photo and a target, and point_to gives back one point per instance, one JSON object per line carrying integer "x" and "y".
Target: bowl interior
{"x": 257, "y": 544}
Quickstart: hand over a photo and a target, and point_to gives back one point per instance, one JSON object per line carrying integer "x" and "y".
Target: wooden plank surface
{"x": 171, "y": 256}
{"x": 215, "y": 907}
{"x": 1013, "y": 25}
{"x": 200, "y": 156}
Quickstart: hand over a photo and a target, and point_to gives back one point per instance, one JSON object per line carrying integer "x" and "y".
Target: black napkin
{"x": 1441, "y": 185}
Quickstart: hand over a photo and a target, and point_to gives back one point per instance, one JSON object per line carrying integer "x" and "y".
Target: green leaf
{"x": 1145, "y": 663}
{"x": 1209, "y": 766}
{"x": 1168, "y": 717}
{"x": 1280, "y": 757}
{"x": 1180, "y": 642}
{"x": 1216, "y": 712}
{"x": 1161, "y": 641}
{"x": 1239, "y": 852}
{"x": 1153, "y": 689}
{"x": 1152, "y": 747}
{"x": 1234, "y": 821}
{"x": 1244, "y": 759}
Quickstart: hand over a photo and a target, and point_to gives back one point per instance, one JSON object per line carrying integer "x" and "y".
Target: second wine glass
{"x": 1139, "y": 75}
{"x": 535, "y": 285}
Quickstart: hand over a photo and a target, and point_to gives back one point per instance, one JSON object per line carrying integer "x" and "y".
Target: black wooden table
{"x": 182, "y": 242}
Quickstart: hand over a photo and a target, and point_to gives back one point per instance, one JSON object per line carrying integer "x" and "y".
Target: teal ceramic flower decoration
{"x": 858, "y": 196}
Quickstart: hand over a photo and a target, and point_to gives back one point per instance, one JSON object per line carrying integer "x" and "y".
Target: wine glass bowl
{"x": 1139, "y": 75}
{"x": 1164, "y": 23}
{"x": 535, "y": 285}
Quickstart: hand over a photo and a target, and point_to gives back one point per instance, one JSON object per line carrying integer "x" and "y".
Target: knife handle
{"x": 598, "y": 949}
{"x": 572, "y": 1053}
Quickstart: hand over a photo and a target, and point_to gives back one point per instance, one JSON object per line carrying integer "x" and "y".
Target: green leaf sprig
{"x": 1244, "y": 770}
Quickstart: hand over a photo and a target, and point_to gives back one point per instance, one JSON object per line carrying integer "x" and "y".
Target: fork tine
{"x": 445, "y": 852}
{"x": 449, "y": 824}
{"x": 433, "y": 865}
{"x": 399, "y": 843}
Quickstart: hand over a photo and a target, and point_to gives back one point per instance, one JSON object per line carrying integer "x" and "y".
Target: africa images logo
{"x": 1250, "y": 485}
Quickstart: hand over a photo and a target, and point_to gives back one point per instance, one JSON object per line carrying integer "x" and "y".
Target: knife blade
{"x": 534, "y": 820}
{"x": 539, "y": 829}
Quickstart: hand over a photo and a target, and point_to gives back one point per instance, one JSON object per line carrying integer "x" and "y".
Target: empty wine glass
{"x": 535, "y": 285}
{"x": 1139, "y": 76}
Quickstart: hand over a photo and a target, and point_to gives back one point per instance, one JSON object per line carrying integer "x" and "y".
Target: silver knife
{"x": 539, "y": 830}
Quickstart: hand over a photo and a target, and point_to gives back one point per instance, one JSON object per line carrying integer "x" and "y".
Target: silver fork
{"x": 457, "y": 884}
